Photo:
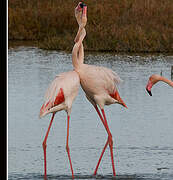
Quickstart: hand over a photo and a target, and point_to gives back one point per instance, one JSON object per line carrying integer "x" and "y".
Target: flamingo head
{"x": 153, "y": 79}
{"x": 79, "y": 6}
{"x": 82, "y": 4}
{"x": 119, "y": 100}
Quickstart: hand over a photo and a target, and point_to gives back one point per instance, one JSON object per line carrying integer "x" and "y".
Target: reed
{"x": 113, "y": 25}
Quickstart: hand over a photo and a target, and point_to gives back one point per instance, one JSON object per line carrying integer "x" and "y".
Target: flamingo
{"x": 98, "y": 83}
{"x": 153, "y": 79}
{"x": 60, "y": 96}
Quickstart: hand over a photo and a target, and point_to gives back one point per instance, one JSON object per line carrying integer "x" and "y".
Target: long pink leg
{"x": 95, "y": 172}
{"x": 109, "y": 140}
{"x": 67, "y": 147}
{"x": 45, "y": 145}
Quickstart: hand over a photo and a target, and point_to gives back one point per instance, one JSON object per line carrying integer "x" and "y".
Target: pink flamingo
{"x": 60, "y": 96}
{"x": 153, "y": 79}
{"x": 98, "y": 83}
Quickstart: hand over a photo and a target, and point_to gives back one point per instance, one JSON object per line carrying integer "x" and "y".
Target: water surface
{"x": 142, "y": 134}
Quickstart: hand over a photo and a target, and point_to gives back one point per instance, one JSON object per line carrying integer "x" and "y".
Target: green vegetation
{"x": 113, "y": 25}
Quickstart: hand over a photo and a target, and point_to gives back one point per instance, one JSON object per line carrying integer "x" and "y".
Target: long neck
{"x": 169, "y": 82}
{"x": 77, "y": 55}
{"x": 81, "y": 54}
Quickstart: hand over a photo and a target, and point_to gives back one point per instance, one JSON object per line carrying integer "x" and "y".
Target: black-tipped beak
{"x": 149, "y": 92}
{"x": 82, "y": 4}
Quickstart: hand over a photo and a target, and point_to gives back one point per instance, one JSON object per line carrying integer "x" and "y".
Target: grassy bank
{"x": 113, "y": 25}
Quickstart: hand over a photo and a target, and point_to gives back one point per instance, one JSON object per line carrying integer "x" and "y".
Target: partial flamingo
{"x": 98, "y": 83}
{"x": 60, "y": 96}
{"x": 153, "y": 79}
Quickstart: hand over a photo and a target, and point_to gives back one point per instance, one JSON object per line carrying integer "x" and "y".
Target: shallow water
{"x": 142, "y": 134}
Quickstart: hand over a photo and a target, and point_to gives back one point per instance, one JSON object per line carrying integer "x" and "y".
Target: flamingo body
{"x": 99, "y": 84}
{"x": 61, "y": 93}
{"x": 100, "y": 87}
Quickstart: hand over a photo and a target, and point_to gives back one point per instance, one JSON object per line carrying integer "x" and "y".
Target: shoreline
{"x": 29, "y": 43}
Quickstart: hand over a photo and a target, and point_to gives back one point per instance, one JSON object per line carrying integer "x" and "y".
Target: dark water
{"x": 142, "y": 134}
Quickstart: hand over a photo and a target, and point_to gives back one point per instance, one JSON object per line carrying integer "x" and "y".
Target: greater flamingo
{"x": 153, "y": 79}
{"x": 60, "y": 96}
{"x": 98, "y": 83}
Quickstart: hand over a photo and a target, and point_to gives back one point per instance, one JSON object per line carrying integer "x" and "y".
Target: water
{"x": 142, "y": 134}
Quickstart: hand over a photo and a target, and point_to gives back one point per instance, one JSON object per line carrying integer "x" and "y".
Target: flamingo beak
{"x": 149, "y": 92}
{"x": 79, "y": 6}
{"x": 148, "y": 87}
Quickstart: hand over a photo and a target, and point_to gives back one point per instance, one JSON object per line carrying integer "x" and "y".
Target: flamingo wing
{"x": 96, "y": 79}
{"x": 53, "y": 96}
{"x": 62, "y": 90}
{"x": 111, "y": 75}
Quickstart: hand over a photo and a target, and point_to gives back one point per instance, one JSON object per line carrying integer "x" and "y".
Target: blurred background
{"x": 113, "y": 25}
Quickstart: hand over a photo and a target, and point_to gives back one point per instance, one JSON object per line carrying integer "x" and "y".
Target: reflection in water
{"x": 142, "y": 134}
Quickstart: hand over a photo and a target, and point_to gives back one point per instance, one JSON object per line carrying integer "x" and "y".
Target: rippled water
{"x": 142, "y": 134}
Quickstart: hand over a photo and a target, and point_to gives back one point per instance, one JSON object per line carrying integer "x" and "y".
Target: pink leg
{"x": 95, "y": 172}
{"x": 109, "y": 140}
{"x": 67, "y": 147}
{"x": 45, "y": 145}
{"x": 110, "y": 143}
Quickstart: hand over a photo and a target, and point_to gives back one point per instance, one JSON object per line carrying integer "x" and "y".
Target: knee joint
{"x": 67, "y": 149}
{"x": 110, "y": 140}
{"x": 44, "y": 145}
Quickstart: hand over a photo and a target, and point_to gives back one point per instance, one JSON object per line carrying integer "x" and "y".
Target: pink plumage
{"x": 99, "y": 84}
{"x": 61, "y": 93}
{"x": 60, "y": 96}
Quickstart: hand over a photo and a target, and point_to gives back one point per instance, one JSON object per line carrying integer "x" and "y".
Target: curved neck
{"x": 169, "y": 82}
{"x": 77, "y": 55}
{"x": 78, "y": 49}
